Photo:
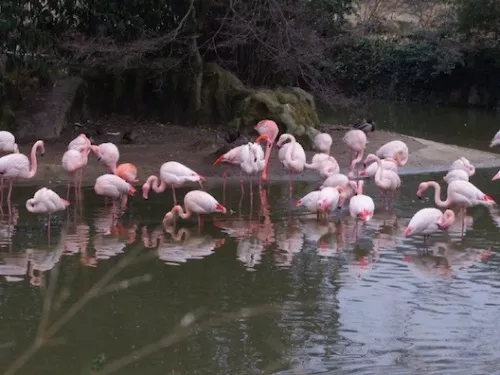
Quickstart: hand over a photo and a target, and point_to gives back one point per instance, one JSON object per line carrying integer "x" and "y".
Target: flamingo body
{"x": 109, "y": 155}
{"x": 361, "y": 206}
{"x": 112, "y": 186}
{"x": 390, "y": 149}
{"x": 8, "y": 142}
{"x": 309, "y": 201}
{"x": 456, "y": 174}
{"x": 46, "y": 201}
{"x": 429, "y": 220}
{"x": 323, "y": 143}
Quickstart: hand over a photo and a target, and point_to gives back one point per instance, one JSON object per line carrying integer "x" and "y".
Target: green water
{"x": 464, "y": 127}
{"x": 266, "y": 290}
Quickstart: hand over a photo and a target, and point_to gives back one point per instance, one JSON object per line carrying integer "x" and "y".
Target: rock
{"x": 46, "y": 114}
{"x": 227, "y": 100}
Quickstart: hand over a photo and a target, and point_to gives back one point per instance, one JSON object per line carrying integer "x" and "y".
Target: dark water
{"x": 461, "y": 126}
{"x": 266, "y": 290}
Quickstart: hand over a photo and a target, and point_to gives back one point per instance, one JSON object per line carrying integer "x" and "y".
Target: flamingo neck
{"x": 269, "y": 147}
{"x": 356, "y": 160}
{"x": 179, "y": 210}
{"x": 437, "y": 195}
{"x": 157, "y": 185}
{"x": 34, "y": 164}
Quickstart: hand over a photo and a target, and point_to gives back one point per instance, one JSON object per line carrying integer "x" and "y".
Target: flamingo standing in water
{"x": 7, "y": 145}
{"x": 355, "y": 139}
{"x": 325, "y": 164}
{"x": 74, "y": 161}
{"x": 295, "y": 158}
{"x": 330, "y": 198}
{"x": 361, "y": 206}
{"x": 112, "y": 186}
{"x": 252, "y": 160}
{"x": 109, "y": 155}
{"x": 46, "y": 201}
{"x": 174, "y": 174}
{"x": 460, "y": 193}
{"x": 198, "y": 202}
{"x": 270, "y": 130}
{"x": 323, "y": 143}
{"x": 15, "y": 166}
{"x": 429, "y": 220}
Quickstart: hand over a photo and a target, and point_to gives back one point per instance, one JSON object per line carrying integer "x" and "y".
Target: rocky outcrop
{"x": 226, "y": 99}
{"x": 46, "y": 114}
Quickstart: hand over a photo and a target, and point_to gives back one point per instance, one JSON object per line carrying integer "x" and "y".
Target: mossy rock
{"x": 227, "y": 100}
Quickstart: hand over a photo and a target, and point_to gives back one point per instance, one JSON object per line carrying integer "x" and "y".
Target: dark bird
{"x": 128, "y": 137}
{"x": 231, "y": 135}
{"x": 366, "y": 126}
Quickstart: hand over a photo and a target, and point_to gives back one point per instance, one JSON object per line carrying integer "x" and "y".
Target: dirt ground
{"x": 153, "y": 144}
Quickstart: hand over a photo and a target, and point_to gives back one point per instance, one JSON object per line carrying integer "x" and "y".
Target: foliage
{"x": 385, "y": 67}
{"x": 478, "y": 16}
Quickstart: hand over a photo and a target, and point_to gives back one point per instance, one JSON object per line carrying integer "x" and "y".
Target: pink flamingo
{"x": 74, "y": 161}
{"x": 390, "y": 149}
{"x": 323, "y": 143}
{"x": 465, "y": 164}
{"x": 429, "y": 220}
{"x": 127, "y": 171}
{"x": 456, "y": 174}
{"x": 295, "y": 158}
{"x": 460, "y": 193}
{"x": 8, "y": 145}
{"x": 109, "y": 155}
{"x": 325, "y": 164}
{"x": 198, "y": 202}
{"x": 15, "y": 166}
{"x": 355, "y": 139}
{"x": 310, "y": 202}
{"x": 387, "y": 180}
{"x": 112, "y": 186}
{"x": 174, "y": 174}
{"x": 46, "y": 201}
{"x": 371, "y": 169}
{"x": 80, "y": 141}
{"x": 361, "y": 206}
{"x": 252, "y": 161}
{"x": 270, "y": 130}
{"x": 330, "y": 198}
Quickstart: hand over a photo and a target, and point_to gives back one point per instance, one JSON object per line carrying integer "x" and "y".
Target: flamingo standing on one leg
{"x": 361, "y": 206}
{"x": 252, "y": 160}
{"x": 7, "y": 145}
{"x": 387, "y": 180}
{"x": 269, "y": 129}
{"x": 198, "y": 202}
{"x": 109, "y": 155}
{"x": 15, "y": 166}
{"x": 295, "y": 158}
{"x": 429, "y": 220}
{"x": 173, "y": 174}
{"x": 356, "y": 140}
{"x": 460, "y": 193}
{"x": 46, "y": 201}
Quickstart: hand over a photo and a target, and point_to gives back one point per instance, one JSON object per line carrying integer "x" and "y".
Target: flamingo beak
{"x": 261, "y": 138}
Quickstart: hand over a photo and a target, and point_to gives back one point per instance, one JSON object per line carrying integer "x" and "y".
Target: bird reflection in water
{"x": 330, "y": 239}
{"x": 44, "y": 258}
{"x": 443, "y": 258}
{"x": 289, "y": 241}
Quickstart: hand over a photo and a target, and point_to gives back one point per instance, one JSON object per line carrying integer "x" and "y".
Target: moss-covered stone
{"x": 227, "y": 100}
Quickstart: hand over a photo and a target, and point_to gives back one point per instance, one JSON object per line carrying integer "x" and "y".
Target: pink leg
{"x": 173, "y": 195}
{"x": 200, "y": 221}
{"x": 48, "y": 230}
{"x": 290, "y": 185}
{"x": 10, "y": 189}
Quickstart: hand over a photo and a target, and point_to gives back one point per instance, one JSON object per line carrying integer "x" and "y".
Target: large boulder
{"x": 227, "y": 100}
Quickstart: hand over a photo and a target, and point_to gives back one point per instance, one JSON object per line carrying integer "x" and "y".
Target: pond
{"x": 264, "y": 290}
{"x": 461, "y": 126}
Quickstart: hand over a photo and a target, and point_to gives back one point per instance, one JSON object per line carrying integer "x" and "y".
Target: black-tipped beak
{"x": 42, "y": 153}
{"x": 339, "y": 207}
{"x": 419, "y": 197}
{"x": 364, "y": 165}
{"x": 99, "y": 158}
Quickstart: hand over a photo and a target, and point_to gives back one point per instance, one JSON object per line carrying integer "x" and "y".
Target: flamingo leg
{"x": 241, "y": 182}
{"x": 10, "y": 189}
{"x": 199, "y": 221}
{"x": 290, "y": 185}
{"x": 48, "y": 230}
{"x": 1, "y": 192}
{"x": 173, "y": 195}
{"x": 463, "y": 212}
{"x": 124, "y": 202}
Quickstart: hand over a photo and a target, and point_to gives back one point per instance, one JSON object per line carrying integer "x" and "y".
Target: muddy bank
{"x": 155, "y": 144}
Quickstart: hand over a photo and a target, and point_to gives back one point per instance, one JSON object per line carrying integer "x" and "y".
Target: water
{"x": 461, "y": 126}
{"x": 321, "y": 297}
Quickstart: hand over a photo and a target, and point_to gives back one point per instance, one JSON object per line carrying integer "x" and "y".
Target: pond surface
{"x": 461, "y": 126}
{"x": 265, "y": 290}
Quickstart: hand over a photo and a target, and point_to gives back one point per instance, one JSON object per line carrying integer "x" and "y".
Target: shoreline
{"x": 196, "y": 147}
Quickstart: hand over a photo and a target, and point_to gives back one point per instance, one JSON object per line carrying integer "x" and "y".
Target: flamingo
{"x": 8, "y": 145}
{"x": 252, "y": 160}
{"x": 174, "y": 174}
{"x": 330, "y": 198}
{"x": 80, "y": 141}
{"x": 46, "y": 201}
{"x": 361, "y": 206}
{"x": 387, "y": 164}
{"x": 391, "y": 148}
{"x": 496, "y": 140}
{"x": 114, "y": 187}
{"x": 429, "y": 220}
{"x": 325, "y": 164}
{"x": 323, "y": 143}
{"x": 463, "y": 163}
{"x": 355, "y": 139}
{"x": 109, "y": 155}
{"x": 270, "y": 130}
{"x": 456, "y": 174}
{"x": 127, "y": 171}
{"x": 387, "y": 180}
{"x": 198, "y": 202}
{"x": 74, "y": 161}
{"x": 460, "y": 193}
{"x": 310, "y": 202}
{"x": 295, "y": 157}
{"x": 15, "y": 166}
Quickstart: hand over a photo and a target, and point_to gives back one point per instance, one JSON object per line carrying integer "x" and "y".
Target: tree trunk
{"x": 196, "y": 67}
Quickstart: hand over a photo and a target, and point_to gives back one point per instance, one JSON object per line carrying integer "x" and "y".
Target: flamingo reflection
{"x": 14, "y": 266}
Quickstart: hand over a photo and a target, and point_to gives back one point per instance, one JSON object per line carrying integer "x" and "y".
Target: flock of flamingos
{"x": 335, "y": 191}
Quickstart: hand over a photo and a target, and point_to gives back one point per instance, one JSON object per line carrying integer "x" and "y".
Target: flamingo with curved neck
{"x": 14, "y": 166}
{"x": 295, "y": 157}
{"x": 154, "y": 182}
{"x": 387, "y": 181}
{"x": 270, "y": 130}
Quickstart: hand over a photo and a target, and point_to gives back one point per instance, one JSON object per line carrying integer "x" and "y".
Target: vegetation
{"x": 142, "y": 55}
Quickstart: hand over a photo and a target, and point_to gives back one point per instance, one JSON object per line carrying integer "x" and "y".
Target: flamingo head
{"x": 408, "y": 231}
{"x": 95, "y": 149}
{"x": 298, "y": 203}
{"x": 370, "y": 158}
{"x": 496, "y": 176}
{"x": 147, "y": 186}
{"x": 168, "y": 217}
{"x": 365, "y": 215}
{"x": 269, "y": 128}
{"x": 41, "y": 144}
{"x": 284, "y": 137}
{"x": 220, "y": 208}
{"x": 421, "y": 189}
{"x": 262, "y": 138}
{"x": 131, "y": 190}
{"x": 446, "y": 220}
{"x": 342, "y": 197}
{"x": 322, "y": 205}
{"x": 353, "y": 186}
{"x": 362, "y": 173}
